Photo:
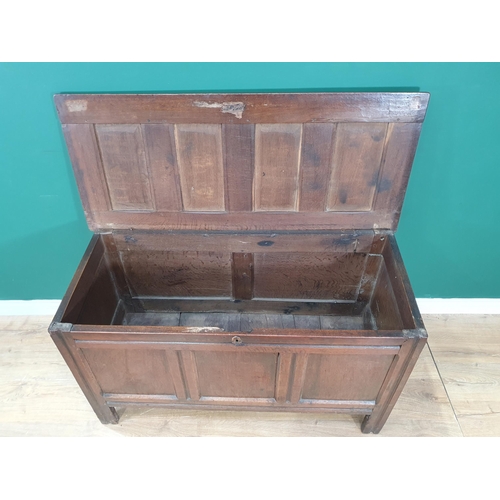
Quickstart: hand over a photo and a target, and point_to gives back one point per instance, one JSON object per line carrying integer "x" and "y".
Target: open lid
{"x": 248, "y": 162}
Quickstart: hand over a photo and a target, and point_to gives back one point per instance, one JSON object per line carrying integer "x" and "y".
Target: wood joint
{"x": 417, "y": 333}
{"x": 56, "y": 327}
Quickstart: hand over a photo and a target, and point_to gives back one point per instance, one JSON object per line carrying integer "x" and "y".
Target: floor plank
{"x": 39, "y": 397}
{"x": 466, "y": 350}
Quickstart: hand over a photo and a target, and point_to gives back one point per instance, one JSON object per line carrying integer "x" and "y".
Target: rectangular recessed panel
{"x": 125, "y": 166}
{"x": 236, "y": 375}
{"x": 277, "y": 159}
{"x": 86, "y": 160}
{"x": 356, "y": 163}
{"x": 305, "y": 275}
{"x": 317, "y": 147}
{"x": 201, "y": 171}
{"x": 131, "y": 371}
{"x": 178, "y": 274}
{"x": 160, "y": 144}
{"x": 402, "y": 139}
{"x": 352, "y": 377}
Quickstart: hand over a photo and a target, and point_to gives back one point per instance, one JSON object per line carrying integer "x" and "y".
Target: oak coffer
{"x": 244, "y": 253}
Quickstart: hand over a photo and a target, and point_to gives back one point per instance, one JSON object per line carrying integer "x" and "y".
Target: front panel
{"x": 228, "y": 375}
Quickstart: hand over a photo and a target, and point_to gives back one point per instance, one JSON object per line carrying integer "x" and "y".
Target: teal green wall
{"x": 450, "y": 226}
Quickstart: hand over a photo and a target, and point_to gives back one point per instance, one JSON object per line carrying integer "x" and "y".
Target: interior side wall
{"x": 95, "y": 297}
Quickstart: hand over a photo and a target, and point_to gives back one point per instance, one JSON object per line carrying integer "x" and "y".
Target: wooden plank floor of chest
{"x": 244, "y": 254}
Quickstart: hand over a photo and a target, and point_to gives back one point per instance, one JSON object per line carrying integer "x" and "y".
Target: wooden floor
{"x": 453, "y": 391}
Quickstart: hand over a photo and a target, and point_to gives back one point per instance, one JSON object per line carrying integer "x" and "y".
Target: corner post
{"x": 61, "y": 335}
{"x": 410, "y": 351}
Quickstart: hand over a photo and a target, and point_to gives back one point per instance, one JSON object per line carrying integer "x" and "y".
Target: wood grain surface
{"x": 242, "y": 108}
{"x": 243, "y": 162}
{"x": 125, "y": 166}
{"x": 39, "y": 396}
{"x": 302, "y": 275}
{"x": 277, "y": 162}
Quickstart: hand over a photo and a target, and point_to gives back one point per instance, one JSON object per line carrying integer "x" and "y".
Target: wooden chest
{"x": 244, "y": 253}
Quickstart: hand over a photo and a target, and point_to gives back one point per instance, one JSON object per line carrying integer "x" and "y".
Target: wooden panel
{"x": 115, "y": 266}
{"x": 308, "y": 276}
{"x": 84, "y": 276}
{"x": 402, "y": 139}
{"x": 160, "y": 144}
{"x": 342, "y": 323}
{"x": 384, "y": 305}
{"x": 157, "y": 337}
{"x": 199, "y": 155}
{"x": 242, "y": 276}
{"x": 245, "y": 243}
{"x": 355, "y": 166}
{"x": 307, "y": 322}
{"x": 286, "y": 307}
{"x": 345, "y": 376}
{"x": 152, "y": 319}
{"x": 178, "y": 274}
{"x": 87, "y": 166}
{"x": 125, "y": 166}
{"x": 245, "y": 221}
{"x": 236, "y": 374}
{"x": 283, "y": 376}
{"x": 299, "y": 373}
{"x": 368, "y": 281}
{"x": 288, "y": 321}
{"x": 136, "y": 371}
{"x": 277, "y": 159}
{"x": 176, "y": 374}
{"x": 101, "y": 300}
{"x": 317, "y": 147}
{"x": 243, "y": 108}
{"x": 239, "y": 164}
{"x": 190, "y": 374}
{"x": 401, "y": 286}
{"x": 251, "y": 322}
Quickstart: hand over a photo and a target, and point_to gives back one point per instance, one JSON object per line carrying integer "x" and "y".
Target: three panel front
{"x": 242, "y": 375}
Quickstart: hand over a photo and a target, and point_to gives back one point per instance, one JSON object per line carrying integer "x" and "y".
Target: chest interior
{"x": 241, "y": 282}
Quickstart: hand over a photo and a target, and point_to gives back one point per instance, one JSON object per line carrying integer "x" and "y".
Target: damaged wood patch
{"x": 203, "y": 329}
{"x": 76, "y": 105}
{"x": 234, "y": 108}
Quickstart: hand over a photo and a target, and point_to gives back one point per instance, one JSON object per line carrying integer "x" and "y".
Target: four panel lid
{"x": 242, "y": 162}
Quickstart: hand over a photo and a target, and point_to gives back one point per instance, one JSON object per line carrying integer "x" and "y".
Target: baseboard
{"x": 28, "y": 307}
{"x": 426, "y": 306}
{"x": 459, "y": 306}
